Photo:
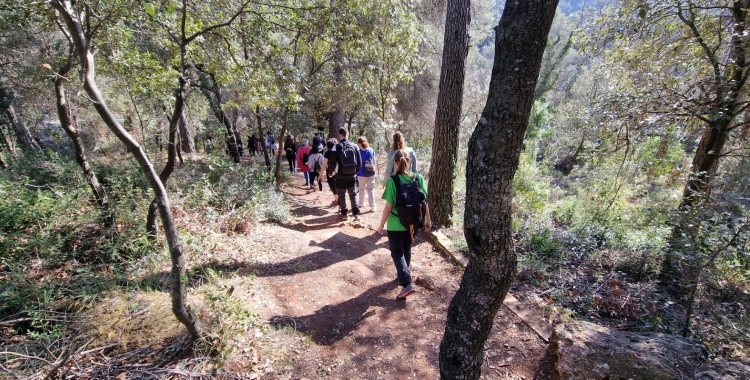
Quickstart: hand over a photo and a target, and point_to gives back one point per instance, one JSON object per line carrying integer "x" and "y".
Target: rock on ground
{"x": 585, "y": 350}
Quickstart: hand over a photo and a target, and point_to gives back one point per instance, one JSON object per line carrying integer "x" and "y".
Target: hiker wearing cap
{"x": 405, "y": 212}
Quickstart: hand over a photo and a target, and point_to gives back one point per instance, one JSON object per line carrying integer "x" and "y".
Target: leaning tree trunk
{"x": 266, "y": 154}
{"x": 88, "y": 76}
{"x": 448, "y": 112}
{"x": 186, "y": 143}
{"x": 23, "y": 136}
{"x": 172, "y": 153}
{"x": 70, "y": 127}
{"x": 676, "y": 272}
{"x": 494, "y": 150}
{"x": 212, "y": 93}
{"x": 284, "y": 126}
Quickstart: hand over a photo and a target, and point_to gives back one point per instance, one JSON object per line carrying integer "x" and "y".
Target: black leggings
{"x": 313, "y": 177}
{"x": 292, "y": 162}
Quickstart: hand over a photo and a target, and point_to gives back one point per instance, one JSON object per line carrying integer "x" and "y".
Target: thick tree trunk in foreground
{"x": 70, "y": 127}
{"x": 494, "y": 150}
{"x": 448, "y": 114}
{"x": 88, "y": 76}
{"x": 186, "y": 143}
{"x": 23, "y": 136}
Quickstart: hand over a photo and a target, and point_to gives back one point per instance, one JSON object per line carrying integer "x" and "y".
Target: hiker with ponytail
{"x": 404, "y": 214}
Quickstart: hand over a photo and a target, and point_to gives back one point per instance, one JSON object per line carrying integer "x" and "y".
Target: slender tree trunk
{"x": 70, "y": 126}
{"x": 705, "y": 164}
{"x": 448, "y": 112}
{"x": 338, "y": 117}
{"x": 494, "y": 150}
{"x": 88, "y": 76}
{"x": 23, "y": 136}
{"x": 172, "y": 154}
{"x": 284, "y": 126}
{"x": 186, "y": 143}
{"x": 676, "y": 271}
{"x": 212, "y": 93}
{"x": 266, "y": 154}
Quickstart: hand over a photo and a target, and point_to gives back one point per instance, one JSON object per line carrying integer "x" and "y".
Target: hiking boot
{"x": 406, "y": 291}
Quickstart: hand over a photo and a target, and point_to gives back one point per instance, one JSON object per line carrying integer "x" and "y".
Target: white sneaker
{"x": 356, "y": 218}
{"x": 374, "y": 209}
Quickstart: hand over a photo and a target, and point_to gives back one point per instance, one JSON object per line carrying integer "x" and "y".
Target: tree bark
{"x": 448, "y": 113}
{"x": 494, "y": 150}
{"x": 23, "y": 136}
{"x": 70, "y": 126}
{"x": 284, "y": 126}
{"x": 82, "y": 44}
{"x": 338, "y": 117}
{"x": 726, "y": 104}
{"x": 262, "y": 138}
{"x": 186, "y": 143}
{"x": 212, "y": 93}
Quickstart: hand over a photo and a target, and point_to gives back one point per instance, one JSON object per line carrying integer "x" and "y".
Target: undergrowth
{"x": 61, "y": 254}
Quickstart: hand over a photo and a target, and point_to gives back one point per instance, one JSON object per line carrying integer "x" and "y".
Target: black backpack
{"x": 305, "y": 158}
{"x": 348, "y": 154}
{"x": 289, "y": 151}
{"x": 411, "y": 204}
{"x": 316, "y": 167}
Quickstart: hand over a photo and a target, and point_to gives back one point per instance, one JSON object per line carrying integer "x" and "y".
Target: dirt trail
{"x": 335, "y": 282}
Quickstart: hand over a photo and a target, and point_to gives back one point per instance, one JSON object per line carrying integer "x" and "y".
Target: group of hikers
{"x": 254, "y": 147}
{"x": 351, "y": 169}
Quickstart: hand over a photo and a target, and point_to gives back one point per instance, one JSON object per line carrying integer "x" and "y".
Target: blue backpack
{"x": 368, "y": 162}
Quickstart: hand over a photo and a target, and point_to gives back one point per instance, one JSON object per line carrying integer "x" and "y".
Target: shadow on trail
{"x": 331, "y": 323}
{"x": 339, "y": 247}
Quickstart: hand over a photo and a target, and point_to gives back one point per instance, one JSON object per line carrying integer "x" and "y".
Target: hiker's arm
{"x": 413, "y": 162}
{"x": 427, "y": 219}
{"x": 386, "y": 211}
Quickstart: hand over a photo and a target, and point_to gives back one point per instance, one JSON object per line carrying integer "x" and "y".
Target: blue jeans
{"x": 400, "y": 244}
{"x": 307, "y": 178}
{"x": 344, "y": 186}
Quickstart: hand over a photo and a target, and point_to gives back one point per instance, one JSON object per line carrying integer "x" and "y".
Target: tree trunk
{"x": 336, "y": 121}
{"x": 676, "y": 271}
{"x": 262, "y": 138}
{"x": 705, "y": 164}
{"x": 88, "y": 76}
{"x": 212, "y": 93}
{"x": 284, "y": 126}
{"x": 186, "y": 143}
{"x": 23, "y": 136}
{"x": 338, "y": 118}
{"x": 70, "y": 126}
{"x": 448, "y": 113}
{"x": 494, "y": 150}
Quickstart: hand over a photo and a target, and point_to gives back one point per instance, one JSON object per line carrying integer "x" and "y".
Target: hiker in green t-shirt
{"x": 399, "y": 236}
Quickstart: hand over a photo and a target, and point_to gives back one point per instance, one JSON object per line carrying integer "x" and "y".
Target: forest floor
{"x": 309, "y": 297}
{"x": 334, "y": 282}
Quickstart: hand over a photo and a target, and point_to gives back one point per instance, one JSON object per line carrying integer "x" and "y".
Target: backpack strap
{"x": 397, "y": 183}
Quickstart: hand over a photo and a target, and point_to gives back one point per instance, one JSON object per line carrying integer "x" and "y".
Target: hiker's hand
{"x": 380, "y": 229}
{"x": 427, "y": 226}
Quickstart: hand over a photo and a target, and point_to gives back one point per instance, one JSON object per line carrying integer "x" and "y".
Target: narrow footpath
{"x": 335, "y": 282}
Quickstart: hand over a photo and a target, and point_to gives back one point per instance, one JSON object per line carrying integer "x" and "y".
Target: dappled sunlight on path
{"x": 334, "y": 282}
